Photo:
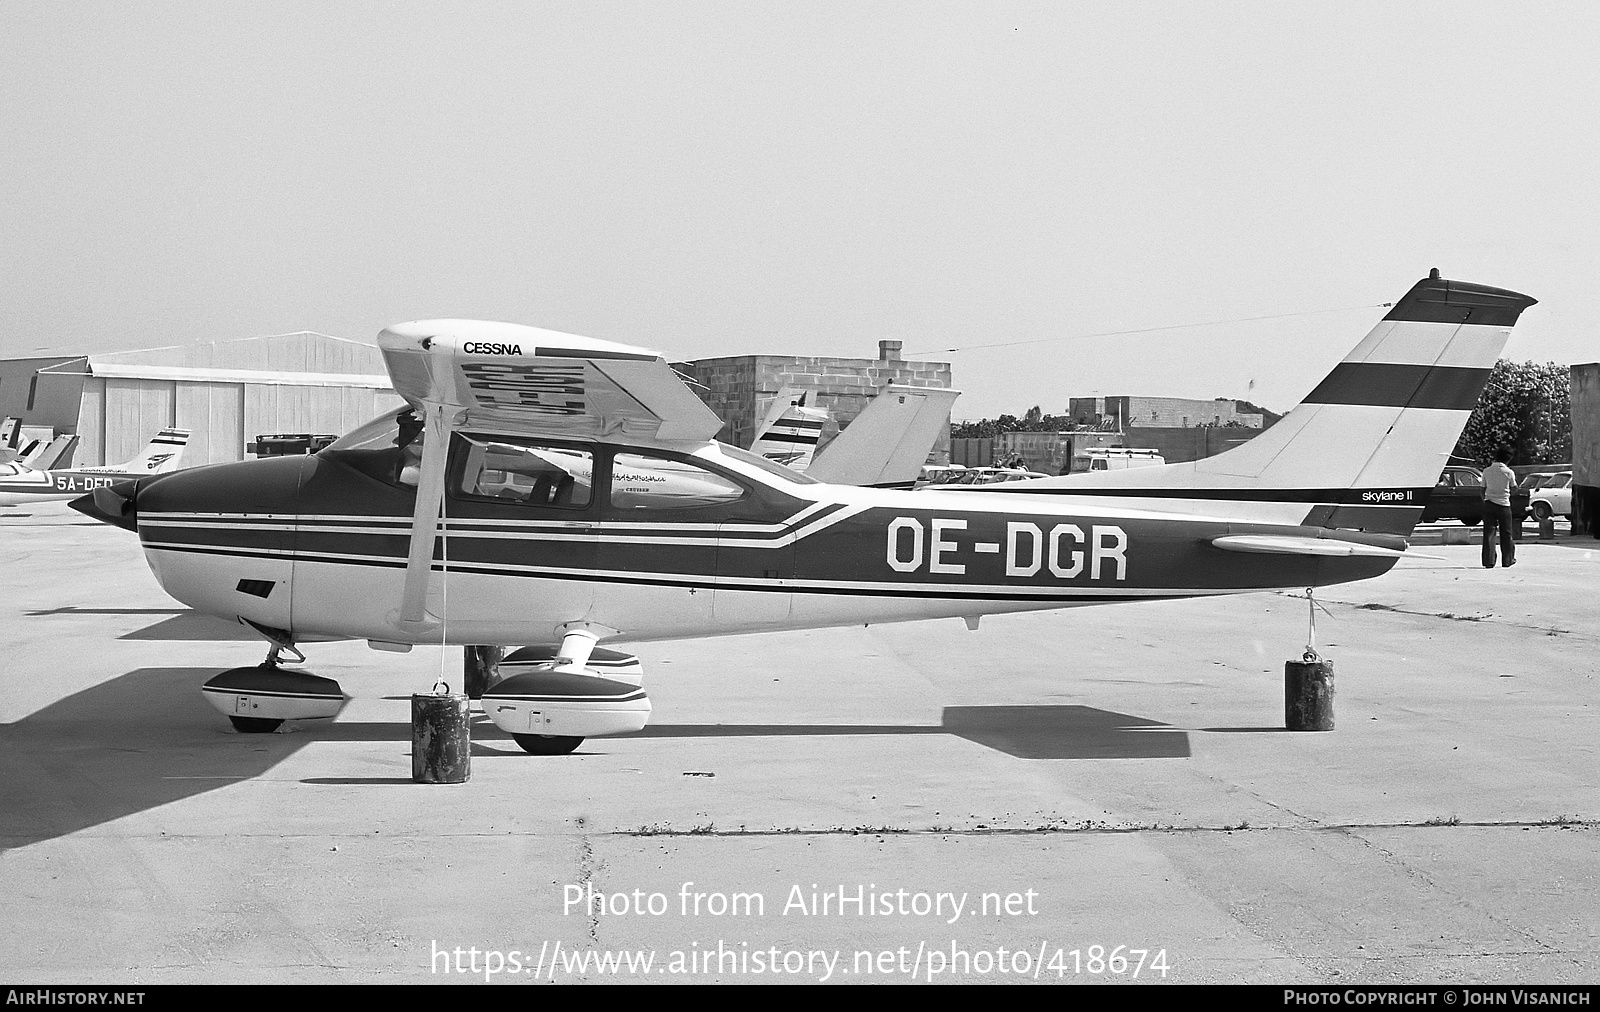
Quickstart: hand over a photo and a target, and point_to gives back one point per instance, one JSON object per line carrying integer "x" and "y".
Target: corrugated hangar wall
{"x": 226, "y": 393}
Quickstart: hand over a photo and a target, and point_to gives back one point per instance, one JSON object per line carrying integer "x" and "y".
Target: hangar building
{"x": 225, "y": 392}
{"x": 229, "y": 392}
{"x": 740, "y": 389}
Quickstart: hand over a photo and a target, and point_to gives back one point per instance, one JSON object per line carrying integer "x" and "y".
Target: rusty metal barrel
{"x": 441, "y": 738}
{"x": 1308, "y": 695}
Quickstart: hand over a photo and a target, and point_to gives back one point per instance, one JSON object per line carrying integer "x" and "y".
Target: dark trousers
{"x": 1495, "y": 515}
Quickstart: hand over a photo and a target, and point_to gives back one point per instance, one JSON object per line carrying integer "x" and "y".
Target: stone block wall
{"x": 740, "y": 389}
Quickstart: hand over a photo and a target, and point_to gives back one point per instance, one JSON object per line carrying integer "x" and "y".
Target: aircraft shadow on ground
{"x": 1027, "y": 732}
{"x": 148, "y": 738}
{"x": 180, "y": 624}
{"x": 125, "y": 746}
{"x": 192, "y": 625}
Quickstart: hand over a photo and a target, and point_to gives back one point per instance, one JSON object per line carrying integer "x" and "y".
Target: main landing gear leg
{"x": 480, "y": 669}
{"x": 576, "y": 646}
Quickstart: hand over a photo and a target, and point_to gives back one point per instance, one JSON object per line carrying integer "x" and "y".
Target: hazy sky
{"x": 805, "y": 178}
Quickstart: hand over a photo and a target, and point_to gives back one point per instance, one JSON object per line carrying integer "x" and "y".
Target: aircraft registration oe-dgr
{"x": 568, "y": 492}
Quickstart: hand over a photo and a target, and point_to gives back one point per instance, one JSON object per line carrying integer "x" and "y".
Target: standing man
{"x": 1498, "y": 481}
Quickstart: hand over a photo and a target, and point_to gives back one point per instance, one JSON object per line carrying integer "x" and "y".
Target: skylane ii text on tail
{"x": 652, "y": 530}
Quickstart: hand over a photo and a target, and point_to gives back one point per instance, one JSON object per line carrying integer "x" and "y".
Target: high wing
{"x": 505, "y": 377}
{"x": 888, "y": 442}
{"x": 513, "y": 379}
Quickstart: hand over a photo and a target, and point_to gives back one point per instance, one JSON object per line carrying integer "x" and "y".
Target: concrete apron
{"x": 1103, "y": 777}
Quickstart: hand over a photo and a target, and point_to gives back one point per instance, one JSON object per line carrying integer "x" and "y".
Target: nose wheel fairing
{"x": 262, "y": 697}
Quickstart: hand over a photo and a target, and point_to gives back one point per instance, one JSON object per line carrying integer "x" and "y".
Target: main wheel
{"x": 254, "y": 725}
{"x": 547, "y": 744}
{"x": 1542, "y": 511}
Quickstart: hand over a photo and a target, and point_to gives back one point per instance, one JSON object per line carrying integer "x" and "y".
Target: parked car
{"x": 1552, "y": 496}
{"x": 984, "y": 476}
{"x": 934, "y": 474}
{"x": 1115, "y": 458}
{"x": 1459, "y": 496}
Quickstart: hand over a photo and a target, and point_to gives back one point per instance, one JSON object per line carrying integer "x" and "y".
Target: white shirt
{"x": 1498, "y": 481}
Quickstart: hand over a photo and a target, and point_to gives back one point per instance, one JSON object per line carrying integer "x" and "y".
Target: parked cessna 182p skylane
{"x": 338, "y": 546}
{"x": 20, "y": 483}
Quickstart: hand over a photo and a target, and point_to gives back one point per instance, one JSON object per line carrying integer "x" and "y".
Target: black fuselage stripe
{"x": 1392, "y": 385}
{"x": 785, "y": 437}
{"x": 702, "y": 583}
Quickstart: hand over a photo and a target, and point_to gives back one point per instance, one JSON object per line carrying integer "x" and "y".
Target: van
{"x": 1115, "y": 459}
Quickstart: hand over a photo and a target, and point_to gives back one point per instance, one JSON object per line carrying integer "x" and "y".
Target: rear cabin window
{"x": 640, "y": 482}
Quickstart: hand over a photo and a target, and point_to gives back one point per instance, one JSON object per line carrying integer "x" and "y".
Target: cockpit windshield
{"x": 374, "y": 435}
{"x": 389, "y": 448}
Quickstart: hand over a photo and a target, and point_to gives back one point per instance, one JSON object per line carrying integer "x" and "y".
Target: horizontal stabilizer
{"x": 1290, "y": 544}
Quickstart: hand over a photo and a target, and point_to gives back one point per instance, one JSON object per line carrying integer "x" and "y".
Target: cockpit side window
{"x": 527, "y": 474}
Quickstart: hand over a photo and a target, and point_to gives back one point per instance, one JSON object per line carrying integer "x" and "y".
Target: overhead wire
{"x": 1143, "y": 330}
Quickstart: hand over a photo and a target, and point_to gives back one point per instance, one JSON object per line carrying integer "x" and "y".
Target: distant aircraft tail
{"x": 56, "y": 454}
{"x": 1365, "y": 448}
{"x": 161, "y": 454}
{"x": 789, "y": 433}
{"x": 889, "y": 441}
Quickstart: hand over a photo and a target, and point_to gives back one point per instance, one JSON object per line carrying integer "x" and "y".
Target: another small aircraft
{"x": 39, "y": 455}
{"x": 884, "y": 446}
{"x": 20, "y": 483}
{"x": 338, "y": 545}
{"x": 790, "y": 432}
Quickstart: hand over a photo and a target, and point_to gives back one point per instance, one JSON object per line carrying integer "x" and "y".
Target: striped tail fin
{"x": 790, "y": 432}
{"x": 1364, "y": 449}
{"x": 161, "y": 454}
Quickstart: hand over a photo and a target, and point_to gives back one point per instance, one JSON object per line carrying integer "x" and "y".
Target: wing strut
{"x": 425, "y": 519}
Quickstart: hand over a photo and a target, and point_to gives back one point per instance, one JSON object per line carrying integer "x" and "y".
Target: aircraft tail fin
{"x": 1366, "y": 446}
{"x": 161, "y": 454}
{"x": 58, "y": 453}
{"x": 887, "y": 443}
{"x": 789, "y": 433}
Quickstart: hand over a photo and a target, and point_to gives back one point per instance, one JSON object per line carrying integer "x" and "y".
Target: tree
{"x": 1524, "y": 410}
